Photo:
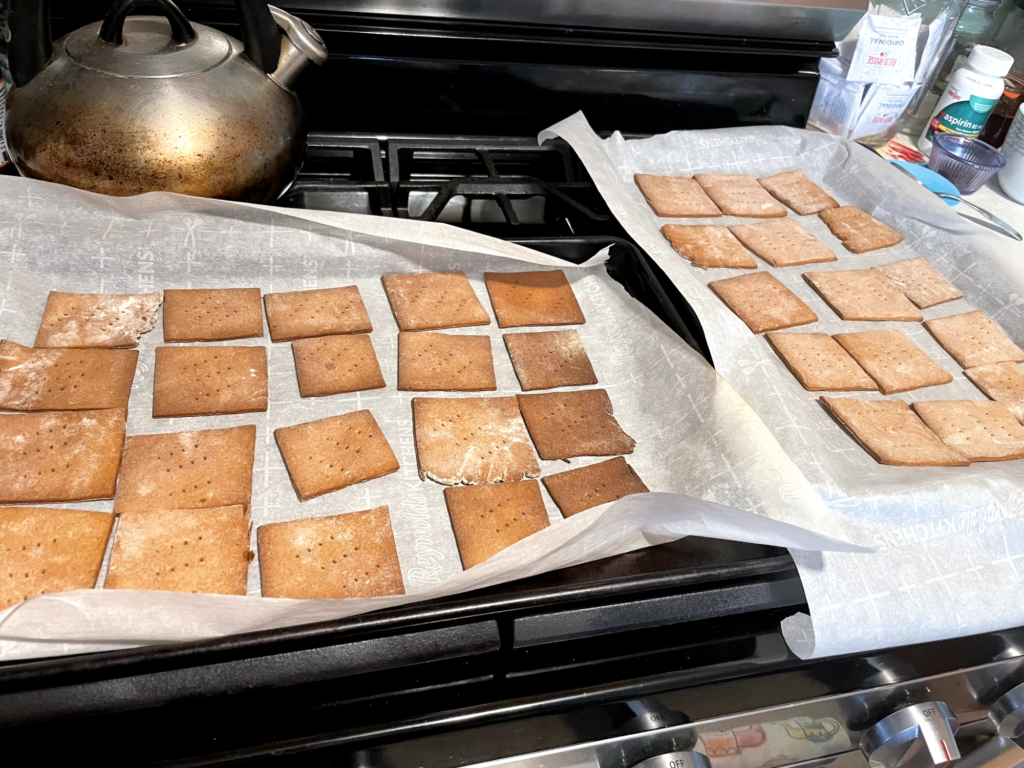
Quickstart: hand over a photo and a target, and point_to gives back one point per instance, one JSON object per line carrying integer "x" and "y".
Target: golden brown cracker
{"x": 64, "y": 379}
{"x": 202, "y": 381}
{"x": 333, "y": 453}
{"x": 580, "y": 489}
{"x": 434, "y": 300}
{"x": 740, "y": 195}
{"x": 182, "y": 550}
{"x": 762, "y": 302}
{"x": 332, "y": 365}
{"x": 549, "y": 359}
{"x": 859, "y": 231}
{"x": 45, "y": 550}
{"x": 489, "y": 518}
{"x": 1002, "y": 382}
{"x": 972, "y": 339}
{"x": 533, "y": 298}
{"x": 797, "y": 191}
{"x": 978, "y": 431}
{"x": 212, "y": 314}
{"x": 320, "y": 312}
{"x": 351, "y": 555}
{"x": 60, "y": 455}
{"x": 893, "y": 361}
{"x": 862, "y": 294}
{"x": 675, "y": 196}
{"x": 708, "y": 246}
{"x": 106, "y": 320}
{"x": 471, "y": 440}
{"x": 568, "y": 424}
{"x": 187, "y": 470}
{"x": 446, "y": 362}
{"x": 819, "y": 363}
{"x": 920, "y": 282}
{"x": 783, "y": 243}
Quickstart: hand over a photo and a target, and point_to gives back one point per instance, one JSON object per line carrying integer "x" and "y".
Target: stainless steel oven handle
{"x": 917, "y": 736}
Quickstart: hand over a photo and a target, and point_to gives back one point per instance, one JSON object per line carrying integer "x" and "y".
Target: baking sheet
{"x": 695, "y": 436}
{"x": 950, "y": 542}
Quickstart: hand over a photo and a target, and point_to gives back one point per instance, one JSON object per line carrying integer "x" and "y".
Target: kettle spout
{"x": 300, "y": 47}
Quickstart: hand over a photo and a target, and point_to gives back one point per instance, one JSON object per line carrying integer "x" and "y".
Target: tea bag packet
{"x": 886, "y": 51}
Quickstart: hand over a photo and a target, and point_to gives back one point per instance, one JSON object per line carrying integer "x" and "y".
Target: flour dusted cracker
{"x": 212, "y": 314}
{"x": 182, "y": 550}
{"x": 107, "y": 320}
{"x": 350, "y": 555}
{"x": 568, "y": 424}
{"x": 796, "y": 190}
{"x": 894, "y": 362}
{"x": 444, "y": 362}
{"x": 819, "y": 363}
{"x": 740, "y": 195}
{"x": 472, "y": 440}
{"x": 978, "y": 431}
{"x": 862, "y": 294}
{"x": 708, "y": 246}
{"x": 45, "y": 550}
{"x": 187, "y": 470}
{"x": 580, "y": 489}
{"x": 489, "y": 518}
{"x": 1003, "y": 382}
{"x": 920, "y": 282}
{"x": 762, "y": 302}
{"x": 533, "y": 298}
{"x": 333, "y": 453}
{"x": 332, "y": 365}
{"x": 320, "y": 312}
{"x": 549, "y": 359}
{"x": 783, "y": 243}
{"x": 675, "y": 196}
{"x": 60, "y": 455}
{"x": 202, "y": 381}
{"x": 434, "y": 300}
{"x": 972, "y": 339}
{"x": 859, "y": 231}
{"x": 892, "y": 433}
{"x": 64, "y": 379}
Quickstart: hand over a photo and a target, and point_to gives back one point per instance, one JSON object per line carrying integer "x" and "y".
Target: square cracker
{"x": 333, "y": 453}
{"x": 182, "y": 550}
{"x": 675, "y": 196}
{"x": 489, "y": 518}
{"x": 444, "y": 361}
{"x": 783, "y": 243}
{"x": 187, "y": 470}
{"x": 859, "y": 231}
{"x": 892, "y": 433}
{"x": 1003, "y": 382}
{"x": 819, "y": 363}
{"x": 978, "y": 431}
{"x": 351, "y": 555}
{"x": 427, "y": 302}
{"x": 321, "y": 312}
{"x": 894, "y": 362}
{"x": 45, "y": 550}
{"x": 920, "y": 282}
{"x": 108, "y": 320}
{"x": 862, "y": 294}
{"x": 762, "y": 302}
{"x": 568, "y": 424}
{"x": 212, "y": 314}
{"x": 332, "y": 365}
{"x": 60, "y": 455}
{"x": 549, "y": 359}
{"x": 471, "y": 440}
{"x": 202, "y": 381}
{"x": 533, "y": 298}
{"x": 708, "y": 246}
{"x": 797, "y": 191}
{"x": 740, "y": 195}
{"x": 972, "y": 339}
{"x": 580, "y": 489}
{"x": 64, "y": 379}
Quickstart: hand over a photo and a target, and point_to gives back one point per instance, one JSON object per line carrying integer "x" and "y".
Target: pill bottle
{"x": 1011, "y": 177}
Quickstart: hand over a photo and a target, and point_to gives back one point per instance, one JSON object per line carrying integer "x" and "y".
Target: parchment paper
{"x": 694, "y": 435}
{"x": 950, "y": 541}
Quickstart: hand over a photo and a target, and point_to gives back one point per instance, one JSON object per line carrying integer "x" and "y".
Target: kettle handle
{"x": 260, "y": 35}
{"x": 31, "y": 43}
{"x": 113, "y": 23}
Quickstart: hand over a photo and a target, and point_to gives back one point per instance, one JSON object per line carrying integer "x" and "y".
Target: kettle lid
{"x": 148, "y": 49}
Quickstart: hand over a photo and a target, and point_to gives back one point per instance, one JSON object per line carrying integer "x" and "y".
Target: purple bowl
{"x": 965, "y": 161}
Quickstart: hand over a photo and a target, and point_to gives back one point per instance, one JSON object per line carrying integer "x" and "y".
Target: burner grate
{"x": 341, "y": 173}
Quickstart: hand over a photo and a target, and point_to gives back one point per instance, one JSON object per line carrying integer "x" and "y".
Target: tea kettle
{"x": 145, "y": 103}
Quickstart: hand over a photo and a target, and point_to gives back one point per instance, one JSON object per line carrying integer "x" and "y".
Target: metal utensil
{"x": 1002, "y": 225}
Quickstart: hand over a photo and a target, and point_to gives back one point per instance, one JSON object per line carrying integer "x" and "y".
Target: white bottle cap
{"x": 989, "y": 61}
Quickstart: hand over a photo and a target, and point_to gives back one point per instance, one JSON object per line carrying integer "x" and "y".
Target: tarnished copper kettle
{"x": 144, "y": 103}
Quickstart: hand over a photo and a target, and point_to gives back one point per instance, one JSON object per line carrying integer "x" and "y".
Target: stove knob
{"x": 682, "y": 759}
{"x": 915, "y": 737}
{"x": 1007, "y": 714}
